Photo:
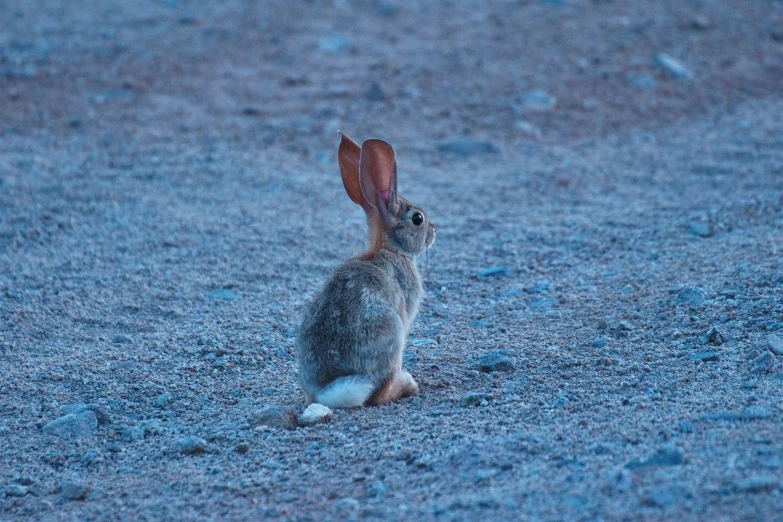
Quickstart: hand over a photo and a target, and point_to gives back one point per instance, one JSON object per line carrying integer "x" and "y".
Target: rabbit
{"x": 350, "y": 342}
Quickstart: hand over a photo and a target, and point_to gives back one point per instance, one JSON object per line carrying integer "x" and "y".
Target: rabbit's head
{"x": 369, "y": 175}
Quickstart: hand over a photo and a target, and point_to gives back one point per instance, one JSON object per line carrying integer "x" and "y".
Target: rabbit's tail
{"x": 351, "y": 391}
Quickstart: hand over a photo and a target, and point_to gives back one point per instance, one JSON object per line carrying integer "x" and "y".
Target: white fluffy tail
{"x": 345, "y": 392}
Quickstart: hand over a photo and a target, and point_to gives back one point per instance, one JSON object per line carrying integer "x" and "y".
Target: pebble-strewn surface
{"x": 602, "y": 337}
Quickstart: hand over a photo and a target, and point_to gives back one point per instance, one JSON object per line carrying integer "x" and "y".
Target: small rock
{"x": 83, "y": 424}
{"x": 537, "y": 100}
{"x": 758, "y": 484}
{"x": 542, "y": 303}
{"x": 74, "y": 490}
{"x": 276, "y": 417}
{"x": 599, "y": 342}
{"x": 94, "y": 494}
{"x": 132, "y": 434}
{"x": 422, "y": 342}
{"x": 775, "y": 344}
{"x": 467, "y": 148}
{"x": 637, "y": 399}
{"x": 539, "y": 288}
{"x": 190, "y": 445}
{"x": 482, "y": 475}
{"x": 474, "y": 399}
{"x": 603, "y": 361}
{"x": 621, "y": 480}
{"x": 314, "y": 414}
{"x": 667, "y": 456}
{"x": 376, "y": 93}
{"x": 527, "y": 128}
{"x": 409, "y": 357}
{"x": 495, "y": 361}
{"x": 691, "y": 295}
{"x": 643, "y": 81}
{"x": 90, "y": 457}
{"x": 560, "y": 403}
{"x": 114, "y": 94}
{"x": 700, "y": 22}
{"x": 162, "y": 400}
{"x": 703, "y": 356}
{"x": 494, "y": 271}
{"x": 764, "y": 363}
{"x": 715, "y": 337}
{"x": 673, "y": 66}
{"x": 242, "y": 448}
{"x": 384, "y": 8}
{"x": 282, "y": 352}
{"x": 348, "y": 505}
{"x": 334, "y": 44}
{"x": 16, "y": 490}
{"x": 622, "y": 326}
{"x": 686, "y": 427}
{"x": 755, "y": 412}
{"x": 773, "y": 325}
{"x": 252, "y": 111}
{"x": 376, "y": 489}
{"x": 102, "y": 415}
{"x": 699, "y": 229}
{"x": 224, "y": 294}
{"x": 668, "y": 496}
{"x": 721, "y": 416}
{"x": 480, "y": 324}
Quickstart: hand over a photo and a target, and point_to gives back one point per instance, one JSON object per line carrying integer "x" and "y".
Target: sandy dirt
{"x": 607, "y": 181}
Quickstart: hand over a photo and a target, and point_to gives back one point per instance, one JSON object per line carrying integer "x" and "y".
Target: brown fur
{"x": 399, "y": 385}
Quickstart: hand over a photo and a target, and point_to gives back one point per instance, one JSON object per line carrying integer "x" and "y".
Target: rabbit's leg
{"x": 408, "y": 386}
{"x": 400, "y": 385}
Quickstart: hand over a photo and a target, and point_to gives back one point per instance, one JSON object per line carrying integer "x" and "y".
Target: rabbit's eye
{"x": 417, "y": 219}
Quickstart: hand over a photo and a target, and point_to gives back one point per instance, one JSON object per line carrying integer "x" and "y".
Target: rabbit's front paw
{"x": 408, "y": 386}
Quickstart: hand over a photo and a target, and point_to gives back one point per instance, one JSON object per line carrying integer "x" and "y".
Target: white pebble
{"x": 314, "y": 414}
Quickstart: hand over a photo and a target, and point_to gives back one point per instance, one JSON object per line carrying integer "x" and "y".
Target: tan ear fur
{"x": 378, "y": 178}
{"x": 348, "y": 157}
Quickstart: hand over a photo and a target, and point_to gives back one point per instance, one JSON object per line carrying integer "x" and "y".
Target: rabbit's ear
{"x": 378, "y": 178}
{"x": 348, "y": 156}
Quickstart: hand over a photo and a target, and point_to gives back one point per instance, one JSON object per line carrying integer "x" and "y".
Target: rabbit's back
{"x": 360, "y": 320}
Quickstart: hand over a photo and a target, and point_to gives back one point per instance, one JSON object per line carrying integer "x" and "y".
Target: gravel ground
{"x": 602, "y": 336}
